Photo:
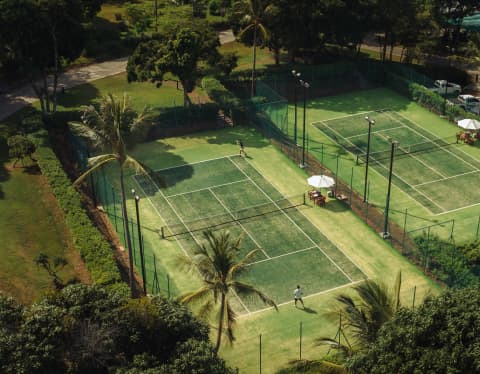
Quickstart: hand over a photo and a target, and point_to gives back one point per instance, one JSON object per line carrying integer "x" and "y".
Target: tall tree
{"x": 112, "y": 126}
{"x": 218, "y": 265}
{"x": 34, "y": 46}
{"x": 178, "y": 52}
{"x": 441, "y": 336}
{"x": 253, "y": 14}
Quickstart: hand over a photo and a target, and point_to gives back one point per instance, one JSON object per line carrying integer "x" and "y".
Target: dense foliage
{"x": 93, "y": 247}
{"x": 441, "y": 336}
{"x": 92, "y": 329}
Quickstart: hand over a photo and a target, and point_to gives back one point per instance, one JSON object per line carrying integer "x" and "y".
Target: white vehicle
{"x": 443, "y": 87}
{"x": 469, "y": 103}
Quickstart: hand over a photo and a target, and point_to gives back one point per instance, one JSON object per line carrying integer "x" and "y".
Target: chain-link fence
{"x": 423, "y": 240}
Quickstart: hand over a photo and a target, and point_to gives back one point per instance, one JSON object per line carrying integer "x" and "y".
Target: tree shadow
{"x": 84, "y": 93}
{"x": 336, "y": 206}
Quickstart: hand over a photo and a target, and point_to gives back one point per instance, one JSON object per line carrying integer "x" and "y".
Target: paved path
{"x": 23, "y": 96}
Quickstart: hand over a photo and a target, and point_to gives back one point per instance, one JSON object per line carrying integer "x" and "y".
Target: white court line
{"x": 416, "y": 158}
{"x": 373, "y": 132}
{"x": 190, "y": 232}
{"x": 294, "y": 223}
{"x": 444, "y": 179}
{"x": 306, "y": 297}
{"x": 283, "y": 255}
{"x": 243, "y": 228}
{"x": 403, "y": 180}
{"x": 206, "y": 188}
{"x": 457, "y": 209}
{"x": 351, "y": 115}
{"x": 194, "y": 163}
{"x": 341, "y": 136}
{"x": 376, "y": 171}
{"x": 435, "y": 137}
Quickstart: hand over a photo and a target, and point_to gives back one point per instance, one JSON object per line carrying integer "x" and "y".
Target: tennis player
{"x": 297, "y": 296}
{"x": 242, "y": 148}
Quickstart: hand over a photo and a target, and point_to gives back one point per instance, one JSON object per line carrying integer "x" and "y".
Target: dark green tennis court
{"x": 229, "y": 193}
{"x": 432, "y": 170}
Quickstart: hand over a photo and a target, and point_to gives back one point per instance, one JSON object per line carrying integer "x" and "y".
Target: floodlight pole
{"x": 140, "y": 243}
{"x": 385, "y": 234}
{"x": 296, "y": 77}
{"x": 305, "y": 85}
{"x": 370, "y": 123}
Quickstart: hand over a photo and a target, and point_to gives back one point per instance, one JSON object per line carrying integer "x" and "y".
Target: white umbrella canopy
{"x": 469, "y": 124}
{"x": 321, "y": 181}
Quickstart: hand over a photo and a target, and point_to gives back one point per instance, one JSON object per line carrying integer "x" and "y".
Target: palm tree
{"x": 218, "y": 267}
{"x": 253, "y": 13}
{"x": 363, "y": 319}
{"x": 110, "y": 127}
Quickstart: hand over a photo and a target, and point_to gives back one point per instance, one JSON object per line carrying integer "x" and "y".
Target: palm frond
{"x": 244, "y": 30}
{"x": 94, "y": 164}
{"x": 243, "y": 264}
{"x": 136, "y": 165}
{"x": 322, "y": 366}
{"x": 195, "y": 297}
{"x": 248, "y": 290}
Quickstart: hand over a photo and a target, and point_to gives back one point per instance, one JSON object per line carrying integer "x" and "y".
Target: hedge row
{"x": 93, "y": 247}
{"x": 427, "y": 98}
{"x": 227, "y": 101}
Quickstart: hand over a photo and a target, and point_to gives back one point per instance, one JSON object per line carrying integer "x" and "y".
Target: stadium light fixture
{"x": 386, "y": 234}
{"x": 371, "y": 122}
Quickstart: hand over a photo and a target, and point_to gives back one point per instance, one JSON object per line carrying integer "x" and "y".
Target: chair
{"x": 320, "y": 200}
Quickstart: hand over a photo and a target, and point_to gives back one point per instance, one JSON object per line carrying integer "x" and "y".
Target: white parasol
{"x": 469, "y": 124}
{"x": 321, "y": 181}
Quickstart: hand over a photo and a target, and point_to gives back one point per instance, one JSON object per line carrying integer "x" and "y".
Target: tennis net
{"x": 430, "y": 145}
{"x": 217, "y": 221}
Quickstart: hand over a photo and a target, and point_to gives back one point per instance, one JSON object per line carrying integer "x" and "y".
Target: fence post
{"x": 321, "y": 160}
{"x": 168, "y": 286}
{"x": 300, "y": 340}
{"x": 260, "y": 353}
{"x": 478, "y": 227}
{"x": 351, "y": 186}
{"x": 133, "y": 242}
{"x": 336, "y": 176}
{"x": 414, "y": 294}
{"x": 114, "y": 209}
{"x": 404, "y": 231}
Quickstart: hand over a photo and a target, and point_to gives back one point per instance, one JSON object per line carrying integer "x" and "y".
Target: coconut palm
{"x": 253, "y": 14}
{"x": 108, "y": 128}
{"x": 218, "y": 265}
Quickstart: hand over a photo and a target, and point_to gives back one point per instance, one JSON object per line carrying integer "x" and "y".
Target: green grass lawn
{"x": 30, "y": 223}
{"x": 245, "y": 55}
{"x": 279, "y": 330}
{"x": 141, "y": 94}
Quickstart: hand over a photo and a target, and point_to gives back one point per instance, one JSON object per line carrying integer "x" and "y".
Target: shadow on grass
{"x": 308, "y": 310}
{"x": 84, "y": 94}
{"x": 336, "y": 206}
{"x": 360, "y": 101}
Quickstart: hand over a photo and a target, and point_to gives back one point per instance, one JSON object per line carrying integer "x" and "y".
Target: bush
{"x": 93, "y": 247}
{"x": 227, "y": 101}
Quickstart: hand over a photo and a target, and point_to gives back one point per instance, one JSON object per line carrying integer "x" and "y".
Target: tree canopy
{"x": 92, "y": 329}
{"x": 441, "y": 336}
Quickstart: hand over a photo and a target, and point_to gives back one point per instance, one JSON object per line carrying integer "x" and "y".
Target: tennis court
{"x": 229, "y": 193}
{"x": 435, "y": 172}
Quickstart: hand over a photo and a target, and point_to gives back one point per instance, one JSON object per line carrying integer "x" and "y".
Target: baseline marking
{"x": 446, "y": 178}
{"x": 193, "y": 163}
{"x": 373, "y": 132}
{"x": 306, "y": 297}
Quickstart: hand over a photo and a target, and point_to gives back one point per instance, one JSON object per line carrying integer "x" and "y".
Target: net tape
{"x": 254, "y": 211}
{"x": 430, "y": 145}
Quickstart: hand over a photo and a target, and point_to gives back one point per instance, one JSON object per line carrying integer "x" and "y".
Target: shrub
{"x": 225, "y": 98}
{"x": 93, "y": 247}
